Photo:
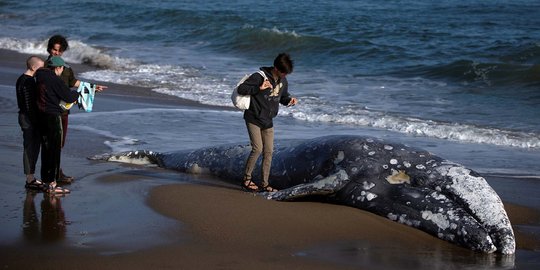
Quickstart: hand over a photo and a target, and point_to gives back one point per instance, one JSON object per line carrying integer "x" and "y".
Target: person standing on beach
{"x": 266, "y": 95}
{"x": 51, "y": 91}
{"x": 56, "y": 46}
{"x": 28, "y": 120}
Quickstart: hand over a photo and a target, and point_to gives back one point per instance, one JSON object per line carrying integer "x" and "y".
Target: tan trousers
{"x": 262, "y": 141}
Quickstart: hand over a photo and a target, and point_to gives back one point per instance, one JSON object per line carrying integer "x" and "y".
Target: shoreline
{"x": 191, "y": 222}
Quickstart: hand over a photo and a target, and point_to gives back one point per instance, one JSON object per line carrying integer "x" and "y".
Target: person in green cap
{"x": 56, "y": 46}
{"x": 51, "y": 92}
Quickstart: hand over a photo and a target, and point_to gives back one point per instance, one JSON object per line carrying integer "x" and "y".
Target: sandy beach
{"x": 133, "y": 217}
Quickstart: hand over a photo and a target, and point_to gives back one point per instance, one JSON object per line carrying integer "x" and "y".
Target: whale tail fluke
{"x": 142, "y": 157}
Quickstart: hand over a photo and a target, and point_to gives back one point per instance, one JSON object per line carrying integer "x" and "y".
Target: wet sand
{"x": 130, "y": 217}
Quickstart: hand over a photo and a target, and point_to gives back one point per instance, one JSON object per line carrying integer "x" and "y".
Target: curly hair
{"x": 57, "y": 39}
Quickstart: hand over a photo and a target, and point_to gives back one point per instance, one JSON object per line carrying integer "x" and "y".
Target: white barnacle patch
{"x": 385, "y": 167}
{"x": 403, "y": 219}
{"x": 366, "y": 195}
{"x": 339, "y": 157}
{"x": 398, "y": 177}
{"x": 439, "y": 219}
{"x": 420, "y": 167}
{"x": 131, "y": 158}
{"x": 371, "y": 153}
{"x": 481, "y": 200}
{"x": 438, "y": 196}
{"x": 367, "y": 185}
{"x": 196, "y": 169}
{"x": 406, "y": 164}
{"x": 369, "y": 140}
{"x": 331, "y": 181}
{"x": 388, "y": 147}
{"x": 354, "y": 170}
{"x": 370, "y": 196}
{"x": 392, "y": 216}
{"x": 365, "y": 146}
{"x": 393, "y": 161}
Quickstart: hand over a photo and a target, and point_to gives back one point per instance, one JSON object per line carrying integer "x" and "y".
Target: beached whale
{"x": 408, "y": 185}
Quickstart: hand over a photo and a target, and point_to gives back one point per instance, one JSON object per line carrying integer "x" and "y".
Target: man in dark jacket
{"x": 28, "y": 120}
{"x": 266, "y": 95}
{"x": 52, "y": 91}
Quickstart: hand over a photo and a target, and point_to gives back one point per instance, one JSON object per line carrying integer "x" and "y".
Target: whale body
{"x": 405, "y": 184}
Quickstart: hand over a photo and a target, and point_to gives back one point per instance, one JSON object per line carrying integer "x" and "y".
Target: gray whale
{"x": 407, "y": 185}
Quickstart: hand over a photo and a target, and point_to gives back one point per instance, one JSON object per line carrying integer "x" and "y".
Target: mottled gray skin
{"x": 432, "y": 194}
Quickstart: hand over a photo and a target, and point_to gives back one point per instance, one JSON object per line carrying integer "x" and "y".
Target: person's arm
{"x": 73, "y": 82}
{"x": 99, "y": 88}
{"x": 252, "y": 85}
{"x": 61, "y": 89}
{"x": 286, "y": 98}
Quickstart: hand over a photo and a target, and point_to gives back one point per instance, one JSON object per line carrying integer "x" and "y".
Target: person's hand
{"x": 265, "y": 85}
{"x": 100, "y": 88}
{"x": 292, "y": 102}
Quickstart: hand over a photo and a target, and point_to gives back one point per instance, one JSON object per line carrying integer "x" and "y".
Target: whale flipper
{"x": 325, "y": 186}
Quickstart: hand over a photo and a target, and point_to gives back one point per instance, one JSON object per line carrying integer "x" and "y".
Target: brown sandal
{"x": 250, "y": 186}
{"x": 52, "y": 188}
{"x": 268, "y": 188}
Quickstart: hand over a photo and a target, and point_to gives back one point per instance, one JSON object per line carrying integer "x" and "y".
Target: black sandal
{"x": 250, "y": 186}
{"x": 34, "y": 185}
{"x": 268, "y": 188}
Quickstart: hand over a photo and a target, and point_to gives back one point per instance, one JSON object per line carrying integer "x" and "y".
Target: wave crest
{"x": 425, "y": 128}
{"x": 78, "y": 52}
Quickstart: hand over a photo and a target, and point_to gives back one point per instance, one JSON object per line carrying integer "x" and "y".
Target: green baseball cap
{"x": 56, "y": 61}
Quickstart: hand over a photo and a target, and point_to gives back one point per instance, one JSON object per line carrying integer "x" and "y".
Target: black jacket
{"x": 264, "y": 105}
{"x": 27, "y": 96}
{"x": 52, "y": 90}
{"x": 68, "y": 76}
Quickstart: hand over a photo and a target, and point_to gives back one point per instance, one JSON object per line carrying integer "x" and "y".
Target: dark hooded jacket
{"x": 264, "y": 105}
{"x": 51, "y": 90}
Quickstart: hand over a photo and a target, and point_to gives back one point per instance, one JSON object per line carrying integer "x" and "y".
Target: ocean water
{"x": 456, "y": 70}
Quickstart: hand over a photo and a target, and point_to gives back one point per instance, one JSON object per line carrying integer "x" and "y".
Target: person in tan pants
{"x": 266, "y": 92}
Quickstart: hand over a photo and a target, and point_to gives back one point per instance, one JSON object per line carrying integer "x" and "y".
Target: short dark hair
{"x": 283, "y": 63}
{"x": 31, "y": 61}
{"x": 57, "y": 39}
